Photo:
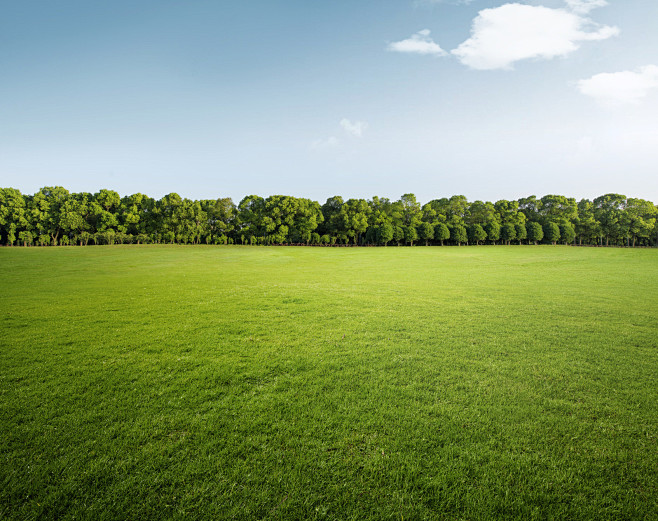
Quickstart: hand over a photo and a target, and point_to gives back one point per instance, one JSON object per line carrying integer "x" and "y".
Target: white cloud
{"x": 322, "y": 144}
{"x": 419, "y": 43}
{"x": 585, "y": 6}
{"x": 512, "y": 32}
{"x": 616, "y": 88}
{"x": 355, "y": 129}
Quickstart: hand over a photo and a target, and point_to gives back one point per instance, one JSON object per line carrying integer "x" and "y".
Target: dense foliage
{"x": 53, "y": 216}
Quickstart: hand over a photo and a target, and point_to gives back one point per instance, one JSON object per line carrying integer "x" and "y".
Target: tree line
{"x": 54, "y": 216}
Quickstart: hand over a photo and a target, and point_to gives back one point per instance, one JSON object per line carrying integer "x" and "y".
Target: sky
{"x": 211, "y": 98}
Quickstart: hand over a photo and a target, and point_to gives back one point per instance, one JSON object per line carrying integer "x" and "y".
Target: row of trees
{"x": 53, "y": 216}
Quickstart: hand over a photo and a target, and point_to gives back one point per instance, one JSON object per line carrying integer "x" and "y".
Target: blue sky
{"x": 358, "y": 98}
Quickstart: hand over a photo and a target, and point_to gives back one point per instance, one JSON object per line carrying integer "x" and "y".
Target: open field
{"x": 316, "y": 383}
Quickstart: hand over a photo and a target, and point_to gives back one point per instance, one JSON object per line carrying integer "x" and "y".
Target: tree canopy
{"x": 55, "y": 216}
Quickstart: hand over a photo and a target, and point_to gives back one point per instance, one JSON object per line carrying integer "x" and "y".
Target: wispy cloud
{"x": 419, "y": 43}
{"x": 355, "y": 129}
{"x": 585, "y": 6}
{"x": 618, "y": 88}
{"x": 323, "y": 144}
{"x": 512, "y": 32}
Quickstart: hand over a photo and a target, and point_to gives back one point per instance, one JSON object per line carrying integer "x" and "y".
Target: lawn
{"x": 155, "y": 382}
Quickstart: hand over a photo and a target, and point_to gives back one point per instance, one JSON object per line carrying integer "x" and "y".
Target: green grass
{"x": 328, "y": 383}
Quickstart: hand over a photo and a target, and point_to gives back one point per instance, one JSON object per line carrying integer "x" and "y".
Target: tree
{"x": 13, "y": 214}
{"x": 587, "y": 227}
{"x": 55, "y": 216}
{"x": 476, "y": 233}
{"x": 171, "y": 216}
{"x": 640, "y": 216}
{"x": 332, "y": 219}
{"x": 482, "y": 213}
{"x": 426, "y": 232}
{"x": 459, "y": 235}
{"x": 508, "y": 211}
{"x": 552, "y": 232}
{"x": 221, "y": 214}
{"x": 567, "y": 233}
{"x": 75, "y": 213}
{"x": 441, "y": 232}
{"x": 398, "y": 234}
{"x": 46, "y": 211}
{"x": 386, "y": 233}
{"x": 26, "y": 238}
{"x": 108, "y": 199}
{"x": 558, "y": 209}
{"x": 493, "y": 231}
{"x": 410, "y": 234}
{"x": 535, "y": 232}
{"x": 530, "y": 207}
{"x": 250, "y": 216}
{"x": 607, "y": 211}
{"x": 411, "y": 212}
{"x": 521, "y": 232}
{"x": 508, "y": 233}
{"x": 354, "y": 214}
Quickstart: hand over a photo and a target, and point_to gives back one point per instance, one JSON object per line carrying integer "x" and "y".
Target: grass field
{"x": 161, "y": 382}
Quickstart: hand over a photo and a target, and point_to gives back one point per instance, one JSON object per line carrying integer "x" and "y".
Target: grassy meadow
{"x": 182, "y": 382}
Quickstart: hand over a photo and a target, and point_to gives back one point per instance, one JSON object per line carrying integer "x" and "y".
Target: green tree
{"x": 354, "y": 214}
{"x": 459, "y": 235}
{"x": 333, "y": 222}
{"x": 221, "y": 214}
{"x": 75, "y": 214}
{"x": 640, "y": 216}
{"x": 493, "y": 231}
{"x": 551, "y": 232}
{"x": 567, "y": 233}
{"x": 476, "y": 233}
{"x": 411, "y": 212}
{"x": 398, "y": 234}
{"x": 608, "y": 212}
{"x": 386, "y": 233}
{"x": 508, "y": 233}
{"x": 426, "y": 232}
{"x": 508, "y": 211}
{"x": 535, "y": 232}
{"x": 46, "y": 211}
{"x": 251, "y": 213}
{"x": 13, "y": 214}
{"x": 483, "y": 214}
{"x": 410, "y": 234}
{"x": 26, "y": 238}
{"x": 587, "y": 227}
{"x": 521, "y": 232}
{"x": 530, "y": 207}
{"x": 441, "y": 232}
{"x": 558, "y": 209}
